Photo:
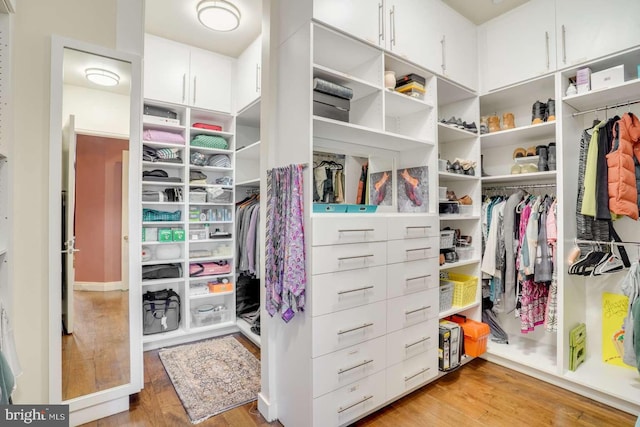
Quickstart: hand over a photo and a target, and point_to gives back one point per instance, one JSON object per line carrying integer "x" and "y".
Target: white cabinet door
{"x": 360, "y": 18}
{"x": 210, "y": 81}
{"x": 459, "y": 47}
{"x": 166, "y": 70}
{"x": 248, "y": 75}
{"x": 518, "y": 45}
{"x": 412, "y": 31}
{"x": 588, "y": 29}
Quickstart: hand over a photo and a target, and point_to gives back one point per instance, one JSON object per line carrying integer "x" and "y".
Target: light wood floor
{"x": 96, "y": 356}
{"x": 479, "y": 394}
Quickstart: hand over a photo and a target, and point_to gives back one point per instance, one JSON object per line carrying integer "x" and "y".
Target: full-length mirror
{"x": 94, "y": 228}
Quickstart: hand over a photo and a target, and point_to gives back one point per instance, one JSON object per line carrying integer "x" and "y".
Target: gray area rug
{"x": 212, "y": 376}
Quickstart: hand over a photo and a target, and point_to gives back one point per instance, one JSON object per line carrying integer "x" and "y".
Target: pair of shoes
{"x": 450, "y": 256}
{"x": 508, "y": 121}
{"x": 456, "y": 167}
{"x": 494, "y": 123}
{"x": 453, "y": 122}
{"x": 484, "y": 125}
{"x": 470, "y": 127}
{"x": 541, "y": 112}
{"x": 451, "y": 196}
{"x": 521, "y": 152}
{"x": 465, "y": 200}
{"x": 525, "y": 168}
{"x": 468, "y": 166}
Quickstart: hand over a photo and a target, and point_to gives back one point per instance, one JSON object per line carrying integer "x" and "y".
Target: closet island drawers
{"x": 412, "y": 341}
{"x": 410, "y": 277}
{"x": 341, "y": 406}
{"x": 412, "y": 309}
{"x": 346, "y": 289}
{"x": 411, "y": 373}
{"x": 413, "y": 227}
{"x": 412, "y": 249}
{"x": 327, "y": 259}
{"x": 343, "y": 367}
{"x": 338, "y": 230}
{"x": 339, "y": 330}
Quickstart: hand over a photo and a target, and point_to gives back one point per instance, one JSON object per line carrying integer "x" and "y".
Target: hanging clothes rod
{"x": 602, "y": 242}
{"x": 606, "y": 107}
{"x": 518, "y": 187}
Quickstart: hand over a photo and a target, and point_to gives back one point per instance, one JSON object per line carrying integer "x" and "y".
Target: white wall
{"x": 96, "y": 110}
{"x": 92, "y": 21}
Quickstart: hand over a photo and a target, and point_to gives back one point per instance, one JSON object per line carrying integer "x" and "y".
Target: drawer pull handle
{"x": 364, "y": 288}
{"x": 345, "y": 331}
{"x": 411, "y": 227}
{"x": 406, "y": 313}
{"x": 356, "y": 230}
{"x": 420, "y": 341}
{"x": 410, "y": 279}
{"x": 418, "y": 249}
{"x": 422, "y": 371}
{"x": 363, "y": 363}
{"x": 364, "y": 399}
{"x": 344, "y": 258}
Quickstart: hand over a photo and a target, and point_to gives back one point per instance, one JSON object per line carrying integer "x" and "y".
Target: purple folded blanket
{"x": 162, "y": 136}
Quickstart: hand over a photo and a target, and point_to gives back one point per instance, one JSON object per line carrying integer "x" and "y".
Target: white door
{"x": 518, "y": 45}
{"x": 459, "y": 47}
{"x": 210, "y": 80}
{"x": 166, "y": 70}
{"x": 69, "y": 206}
{"x": 124, "y": 238}
{"x": 588, "y": 29}
{"x": 360, "y": 18}
{"x": 248, "y": 74}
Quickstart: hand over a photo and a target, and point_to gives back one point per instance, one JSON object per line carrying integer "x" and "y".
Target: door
{"x": 124, "y": 238}
{"x": 360, "y": 18}
{"x": 459, "y": 47}
{"x": 518, "y": 45}
{"x": 166, "y": 70}
{"x": 588, "y": 29}
{"x": 69, "y": 206}
{"x": 249, "y": 73}
{"x": 210, "y": 77}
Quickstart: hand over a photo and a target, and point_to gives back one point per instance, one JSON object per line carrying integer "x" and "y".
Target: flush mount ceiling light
{"x": 218, "y": 15}
{"x": 101, "y": 76}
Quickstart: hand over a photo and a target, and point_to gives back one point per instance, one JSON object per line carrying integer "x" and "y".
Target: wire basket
{"x": 446, "y": 239}
{"x": 154, "y": 215}
{"x": 464, "y": 288}
{"x": 446, "y": 296}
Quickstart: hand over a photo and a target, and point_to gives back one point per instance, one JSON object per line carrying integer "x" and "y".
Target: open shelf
{"x": 164, "y": 183}
{"x": 164, "y": 165}
{"x": 162, "y": 126}
{"x": 249, "y": 152}
{"x": 519, "y": 136}
{"x": 161, "y": 243}
{"x": 617, "y": 381}
{"x": 398, "y": 104}
{"x": 448, "y": 133}
{"x": 361, "y": 88}
{"x": 163, "y": 336}
{"x": 245, "y": 328}
{"x": 449, "y": 176}
{"x": 249, "y": 115}
{"x": 627, "y": 91}
{"x": 169, "y": 223}
{"x": 457, "y": 217}
{"x": 211, "y": 168}
{"x": 178, "y": 280}
{"x": 457, "y": 309}
{"x": 526, "y": 352}
{"x": 249, "y": 183}
{"x": 451, "y": 265}
{"x": 163, "y": 261}
{"x": 210, "y": 295}
{"x": 163, "y": 144}
{"x": 213, "y": 327}
{"x": 534, "y": 177}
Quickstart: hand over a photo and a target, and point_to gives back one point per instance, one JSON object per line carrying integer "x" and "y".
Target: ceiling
{"x": 177, "y": 20}
{"x": 480, "y": 11}
{"x": 75, "y": 62}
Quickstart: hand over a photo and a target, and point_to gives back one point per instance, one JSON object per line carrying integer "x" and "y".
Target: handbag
{"x": 161, "y": 271}
{"x": 160, "y": 311}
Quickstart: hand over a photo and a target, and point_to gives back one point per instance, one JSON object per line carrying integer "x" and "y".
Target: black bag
{"x": 153, "y": 110}
{"x": 160, "y": 311}
{"x": 161, "y": 271}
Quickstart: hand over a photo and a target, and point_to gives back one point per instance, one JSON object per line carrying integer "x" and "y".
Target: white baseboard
{"x": 265, "y": 407}
{"x": 98, "y": 286}
{"x": 101, "y": 410}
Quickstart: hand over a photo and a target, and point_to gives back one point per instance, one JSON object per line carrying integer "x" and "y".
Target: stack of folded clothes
{"x": 331, "y": 100}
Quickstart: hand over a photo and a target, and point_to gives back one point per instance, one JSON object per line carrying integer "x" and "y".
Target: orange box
{"x": 476, "y": 335}
{"x": 220, "y": 287}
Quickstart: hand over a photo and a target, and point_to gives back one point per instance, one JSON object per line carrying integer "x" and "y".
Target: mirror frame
{"x": 106, "y": 402}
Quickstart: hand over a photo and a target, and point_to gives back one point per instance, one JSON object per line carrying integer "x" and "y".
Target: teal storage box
{"x": 329, "y": 208}
{"x": 361, "y": 208}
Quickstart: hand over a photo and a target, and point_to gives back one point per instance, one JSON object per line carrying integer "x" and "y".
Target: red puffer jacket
{"x": 623, "y": 192}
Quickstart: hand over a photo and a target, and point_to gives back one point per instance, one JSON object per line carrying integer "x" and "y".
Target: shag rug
{"x": 212, "y": 376}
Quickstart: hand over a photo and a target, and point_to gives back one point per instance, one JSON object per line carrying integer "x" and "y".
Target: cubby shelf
{"x": 449, "y": 176}
{"x": 457, "y": 309}
{"x": 627, "y": 91}
{"x": 519, "y": 136}
{"x": 449, "y": 134}
{"x": 449, "y": 266}
{"x": 533, "y": 177}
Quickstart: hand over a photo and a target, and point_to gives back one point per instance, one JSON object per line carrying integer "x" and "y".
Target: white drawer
{"x": 332, "y": 292}
{"x": 335, "y": 370}
{"x": 343, "y": 329}
{"x": 409, "y": 342}
{"x": 344, "y": 405}
{"x": 358, "y": 229}
{"x": 410, "y": 277}
{"x": 327, "y": 259}
{"x": 412, "y": 249}
{"x": 412, "y": 309}
{"x": 411, "y": 373}
{"x": 412, "y": 227}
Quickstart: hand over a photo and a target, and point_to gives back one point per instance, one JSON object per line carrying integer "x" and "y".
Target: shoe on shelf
{"x": 465, "y": 200}
{"x": 508, "y": 121}
{"x": 459, "y": 124}
{"x": 538, "y": 112}
{"x": 551, "y": 110}
{"x": 541, "y": 151}
{"x": 531, "y": 151}
{"x": 551, "y": 156}
{"x": 451, "y": 122}
{"x": 484, "y": 125}
{"x": 471, "y": 127}
{"x": 516, "y": 169}
{"x": 494, "y": 123}
{"x": 519, "y": 152}
{"x": 451, "y": 196}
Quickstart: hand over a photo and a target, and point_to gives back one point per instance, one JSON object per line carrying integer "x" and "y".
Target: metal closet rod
{"x": 517, "y": 187}
{"x": 602, "y": 242}
{"x": 606, "y": 107}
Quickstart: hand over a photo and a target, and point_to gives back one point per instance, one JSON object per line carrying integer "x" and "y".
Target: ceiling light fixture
{"x": 102, "y": 77}
{"x": 218, "y": 15}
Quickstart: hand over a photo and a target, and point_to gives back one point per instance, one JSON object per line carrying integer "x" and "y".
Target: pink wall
{"x": 98, "y": 208}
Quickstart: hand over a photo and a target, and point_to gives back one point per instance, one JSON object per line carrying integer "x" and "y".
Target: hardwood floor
{"x": 96, "y": 356}
{"x": 479, "y": 394}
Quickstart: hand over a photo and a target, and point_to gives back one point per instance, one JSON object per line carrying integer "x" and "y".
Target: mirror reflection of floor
{"x": 96, "y": 356}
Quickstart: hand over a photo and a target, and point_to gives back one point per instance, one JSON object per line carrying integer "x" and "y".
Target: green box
{"x": 178, "y": 235}
{"x": 194, "y": 214}
{"x": 149, "y": 234}
{"x": 165, "y": 235}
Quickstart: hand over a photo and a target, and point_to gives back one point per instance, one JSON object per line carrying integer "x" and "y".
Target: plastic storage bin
{"x": 464, "y": 288}
{"x": 209, "y": 314}
{"x": 442, "y": 193}
{"x": 476, "y": 335}
{"x": 361, "y": 208}
{"x": 446, "y": 296}
{"x": 446, "y": 239}
{"x": 465, "y": 209}
{"x": 442, "y": 165}
{"x": 464, "y": 252}
{"x": 329, "y": 208}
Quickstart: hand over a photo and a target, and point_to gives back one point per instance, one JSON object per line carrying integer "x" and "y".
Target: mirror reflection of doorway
{"x": 95, "y": 305}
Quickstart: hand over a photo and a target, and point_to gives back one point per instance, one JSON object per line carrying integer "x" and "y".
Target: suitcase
{"x": 160, "y": 311}
{"x": 161, "y": 271}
